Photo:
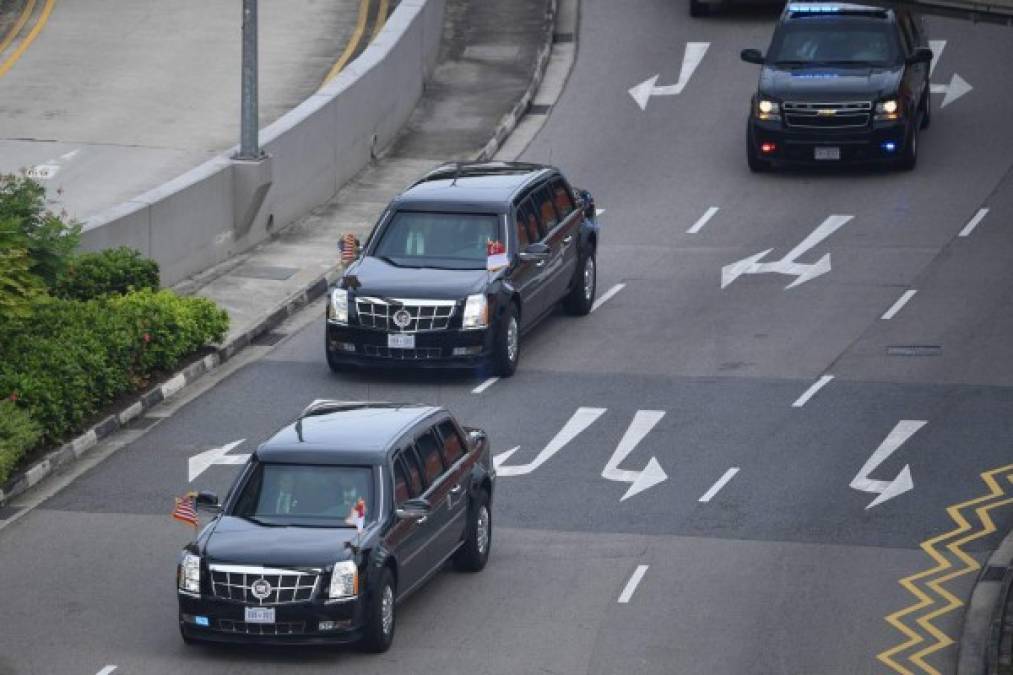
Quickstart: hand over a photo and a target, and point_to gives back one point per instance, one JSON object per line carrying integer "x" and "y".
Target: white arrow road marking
{"x": 811, "y": 391}
{"x": 201, "y": 462}
{"x": 969, "y": 228}
{"x": 631, "y": 585}
{"x": 698, "y": 225}
{"x": 581, "y": 420}
{"x": 787, "y": 265}
{"x": 643, "y": 92}
{"x": 652, "y": 474}
{"x": 106, "y": 671}
{"x": 598, "y": 212}
{"x": 728, "y": 475}
{"x": 609, "y": 294}
{"x": 957, "y": 87}
{"x": 885, "y": 490}
{"x": 51, "y": 167}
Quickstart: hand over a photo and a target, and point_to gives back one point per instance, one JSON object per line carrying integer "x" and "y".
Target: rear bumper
{"x": 295, "y": 624}
{"x": 798, "y": 146}
{"x": 356, "y": 346}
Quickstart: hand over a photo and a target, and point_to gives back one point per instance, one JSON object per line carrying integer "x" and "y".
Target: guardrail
{"x": 224, "y": 207}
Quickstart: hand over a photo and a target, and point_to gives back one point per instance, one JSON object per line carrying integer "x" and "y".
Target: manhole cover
{"x": 914, "y": 350}
{"x": 271, "y": 272}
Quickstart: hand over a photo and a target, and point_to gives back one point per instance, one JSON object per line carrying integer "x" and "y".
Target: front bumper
{"x": 295, "y": 624}
{"x": 798, "y": 146}
{"x": 451, "y": 348}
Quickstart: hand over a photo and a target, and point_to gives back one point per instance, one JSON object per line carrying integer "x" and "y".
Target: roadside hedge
{"x": 72, "y": 358}
{"x": 18, "y": 434}
{"x": 112, "y": 271}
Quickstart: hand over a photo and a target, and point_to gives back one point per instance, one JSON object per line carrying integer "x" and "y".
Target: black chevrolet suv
{"x": 840, "y": 82}
{"x": 284, "y": 560}
{"x": 460, "y": 265}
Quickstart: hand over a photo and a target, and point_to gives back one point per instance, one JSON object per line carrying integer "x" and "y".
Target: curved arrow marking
{"x": 643, "y": 92}
{"x": 886, "y": 490}
{"x": 201, "y": 462}
{"x": 652, "y": 474}
{"x": 581, "y": 420}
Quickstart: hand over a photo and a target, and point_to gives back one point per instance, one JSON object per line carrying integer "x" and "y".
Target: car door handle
{"x": 540, "y": 263}
{"x": 567, "y": 239}
{"x": 421, "y": 520}
{"x": 456, "y": 490}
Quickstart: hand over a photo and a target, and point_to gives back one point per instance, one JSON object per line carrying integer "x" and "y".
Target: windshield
{"x": 308, "y": 496}
{"x": 834, "y": 42}
{"x": 448, "y": 240}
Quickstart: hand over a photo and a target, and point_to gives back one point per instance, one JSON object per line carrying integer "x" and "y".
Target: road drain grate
{"x": 993, "y": 573}
{"x": 268, "y": 339}
{"x": 914, "y": 350}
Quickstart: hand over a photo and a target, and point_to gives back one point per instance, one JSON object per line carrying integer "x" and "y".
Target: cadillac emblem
{"x": 261, "y": 589}
{"x": 402, "y": 319}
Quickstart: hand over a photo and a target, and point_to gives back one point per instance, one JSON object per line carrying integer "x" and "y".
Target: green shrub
{"x": 26, "y": 224}
{"x": 18, "y": 434}
{"x": 114, "y": 270}
{"x": 73, "y": 358}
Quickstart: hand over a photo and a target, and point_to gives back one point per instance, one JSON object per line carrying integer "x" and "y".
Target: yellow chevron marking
{"x": 942, "y": 640}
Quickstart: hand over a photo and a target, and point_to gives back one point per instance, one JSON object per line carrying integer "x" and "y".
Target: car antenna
{"x": 457, "y": 173}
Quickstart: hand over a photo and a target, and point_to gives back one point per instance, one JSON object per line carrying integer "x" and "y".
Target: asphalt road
{"x": 783, "y": 567}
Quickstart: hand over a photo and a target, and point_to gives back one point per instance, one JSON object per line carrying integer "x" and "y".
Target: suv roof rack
{"x": 325, "y": 406}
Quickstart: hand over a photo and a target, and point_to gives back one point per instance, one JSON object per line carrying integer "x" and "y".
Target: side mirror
{"x": 752, "y": 56}
{"x": 476, "y": 437}
{"x": 535, "y": 252}
{"x": 417, "y": 509}
{"x": 207, "y": 501}
{"x": 920, "y": 55}
{"x": 590, "y": 211}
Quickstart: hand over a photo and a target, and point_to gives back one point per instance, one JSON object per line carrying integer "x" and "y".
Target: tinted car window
{"x": 546, "y": 211}
{"x": 561, "y": 197}
{"x": 526, "y": 217}
{"x": 429, "y": 453}
{"x": 406, "y": 486}
{"x": 838, "y": 40}
{"x": 522, "y": 233}
{"x": 293, "y": 495}
{"x": 452, "y": 240}
{"x": 413, "y": 471}
{"x": 453, "y": 447}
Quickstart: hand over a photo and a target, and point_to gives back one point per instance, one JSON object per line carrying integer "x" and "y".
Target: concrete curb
{"x": 510, "y": 121}
{"x": 74, "y": 449}
{"x": 979, "y": 641}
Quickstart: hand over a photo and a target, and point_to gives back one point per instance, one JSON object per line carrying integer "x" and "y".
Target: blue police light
{"x": 202, "y": 621}
{"x": 889, "y": 146}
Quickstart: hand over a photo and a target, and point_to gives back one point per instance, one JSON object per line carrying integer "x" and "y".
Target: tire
{"x": 699, "y": 9}
{"x": 474, "y": 554}
{"x": 909, "y": 159}
{"x": 756, "y": 164}
{"x": 333, "y": 364}
{"x": 378, "y": 632}
{"x": 580, "y": 299}
{"x": 187, "y": 640}
{"x": 508, "y": 332}
{"x": 926, "y": 107}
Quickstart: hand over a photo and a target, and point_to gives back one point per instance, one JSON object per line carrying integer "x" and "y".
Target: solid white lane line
{"x": 899, "y": 305}
{"x": 969, "y": 228}
{"x": 811, "y": 391}
{"x": 631, "y": 585}
{"x": 485, "y": 385}
{"x": 106, "y": 670}
{"x": 698, "y": 225}
{"x": 730, "y": 474}
{"x": 608, "y": 296}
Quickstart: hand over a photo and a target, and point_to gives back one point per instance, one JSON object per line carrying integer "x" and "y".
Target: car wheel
{"x": 187, "y": 640}
{"x": 910, "y": 157}
{"x": 580, "y": 300}
{"x": 474, "y": 553}
{"x": 332, "y": 363}
{"x": 507, "y": 345}
{"x": 756, "y": 164}
{"x": 699, "y": 9}
{"x": 380, "y": 615}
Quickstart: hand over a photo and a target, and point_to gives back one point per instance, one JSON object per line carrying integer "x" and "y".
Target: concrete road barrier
{"x": 220, "y": 208}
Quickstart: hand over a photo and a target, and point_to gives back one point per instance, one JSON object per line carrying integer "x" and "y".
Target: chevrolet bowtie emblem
{"x": 826, "y": 111}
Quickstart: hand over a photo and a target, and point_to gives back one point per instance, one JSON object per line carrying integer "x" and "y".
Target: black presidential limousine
{"x": 284, "y": 560}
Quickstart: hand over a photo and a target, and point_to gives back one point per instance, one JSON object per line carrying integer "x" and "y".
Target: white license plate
{"x": 828, "y": 153}
{"x": 260, "y": 615}
{"x": 400, "y": 341}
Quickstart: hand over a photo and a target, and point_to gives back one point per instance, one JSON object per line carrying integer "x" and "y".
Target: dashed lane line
{"x": 973, "y": 223}
{"x": 899, "y": 305}
{"x": 811, "y": 391}
{"x": 40, "y": 23}
{"x": 899, "y": 658}
{"x": 609, "y": 294}
{"x": 631, "y": 585}
{"x": 485, "y": 385}
{"x": 106, "y": 671}
{"x": 704, "y": 219}
{"x": 714, "y": 489}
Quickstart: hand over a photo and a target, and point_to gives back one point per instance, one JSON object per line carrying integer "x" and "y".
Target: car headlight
{"x": 344, "y": 580}
{"x": 768, "y": 110}
{"x": 888, "y": 109}
{"x": 476, "y": 312}
{"x": 337, "y": 308}
{"x": 188, "y": 576}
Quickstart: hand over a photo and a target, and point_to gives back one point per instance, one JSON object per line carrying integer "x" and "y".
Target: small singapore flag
{"x": 358, "y": 515}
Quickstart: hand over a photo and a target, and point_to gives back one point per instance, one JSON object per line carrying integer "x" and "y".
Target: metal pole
{"x": 248, "y": 136}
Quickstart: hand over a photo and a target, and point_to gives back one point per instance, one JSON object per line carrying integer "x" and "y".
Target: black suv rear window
{"x": 834, "y": 41}
{"x": 449, "y": 240}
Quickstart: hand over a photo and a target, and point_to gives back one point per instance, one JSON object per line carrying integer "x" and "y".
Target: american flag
{"x": 358, "y": 515}
{"x": 186, "y": 509}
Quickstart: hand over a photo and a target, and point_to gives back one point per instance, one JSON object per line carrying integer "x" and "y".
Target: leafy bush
{"x": 114, "y": 270}
{"x": 18, "y": 433}
{"x": 26, "y": 224}
{"x": 73, "y": 358}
